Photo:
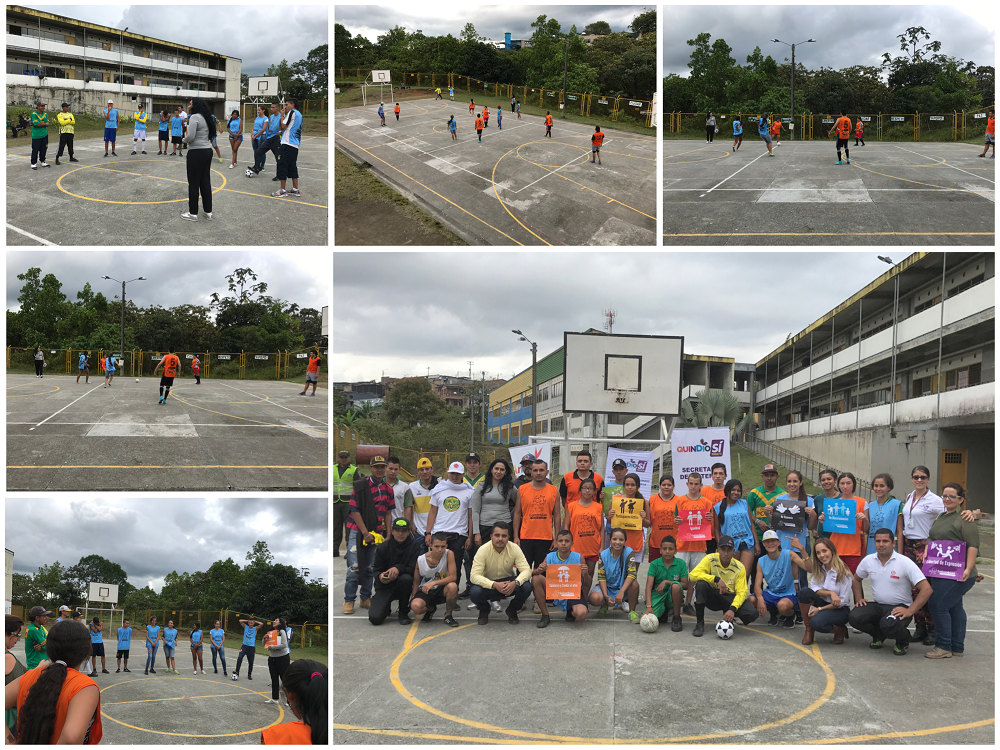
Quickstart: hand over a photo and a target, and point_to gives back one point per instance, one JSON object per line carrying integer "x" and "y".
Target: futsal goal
{"x": 381, "y": 79}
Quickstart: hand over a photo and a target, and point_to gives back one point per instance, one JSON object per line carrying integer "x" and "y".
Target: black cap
{"x": 401, "y": 524}
{"x": 64, "y": 104}
{"x": 344, "y": 453}
{"x": 527, "y": 458}
{"x": 474, "y": 456}
{"x": 726, "y": 541}
{"x": 618, "y": 462}
{"x": 37, "y": 612}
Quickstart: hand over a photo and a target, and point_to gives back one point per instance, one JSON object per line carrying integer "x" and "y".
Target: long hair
{"x": 506, "y": 484}
{"x": 725, "y": 501}
{"x": 843, "y": 572}
{"x": 802, "y": 495}
{"x": 200, "y": 107}
{"x": 68, "y": 642}
{"x": 638, "y": 484}
{"x": 12, "y": 624}
{"x": 306, "y": 679}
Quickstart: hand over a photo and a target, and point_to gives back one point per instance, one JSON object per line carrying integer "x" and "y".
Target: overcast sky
{"x": 150, "y": 537}
{"x": 176, "y": 277}
{"x": 846, "y": 35}
{"x": 245, "y": 30}
{"x": 491, "y": 21}
{"x": 405, "y": 312}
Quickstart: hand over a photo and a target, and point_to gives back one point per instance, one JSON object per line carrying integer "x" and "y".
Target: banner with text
{"x": 535, "y": 450}
{"x": 696, "y": 449}
{"x": 637, "y": 462}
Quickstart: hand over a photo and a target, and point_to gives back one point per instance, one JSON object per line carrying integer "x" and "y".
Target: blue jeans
{"x": 151, "y": 656}
{"x": 946, "y": 608}
{"x": 221, "y": 651}
{"x": 360, "y": 565}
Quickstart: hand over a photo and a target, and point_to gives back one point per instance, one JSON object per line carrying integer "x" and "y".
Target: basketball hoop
{"x": 621, "y": 395}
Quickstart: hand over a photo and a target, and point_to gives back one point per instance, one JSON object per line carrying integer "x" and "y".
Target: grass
{"x": 748, "y": 465}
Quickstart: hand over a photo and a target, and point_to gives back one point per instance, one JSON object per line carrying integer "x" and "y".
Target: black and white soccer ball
{"x": 235, "y": 676}
{"x": 250, "y": 172}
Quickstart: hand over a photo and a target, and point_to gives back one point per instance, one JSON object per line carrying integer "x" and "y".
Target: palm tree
{"x": 366, "y": 410}
{"x": 715, "y": 408}
{"x": 347, "y": 419}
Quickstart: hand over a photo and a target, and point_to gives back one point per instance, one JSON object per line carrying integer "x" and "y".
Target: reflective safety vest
{"x": 343, "y": 483}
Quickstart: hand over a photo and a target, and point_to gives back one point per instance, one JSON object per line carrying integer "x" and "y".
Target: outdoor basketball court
{"x": 218, "y": 436}
{"x": 517, "y": 187}
{"x": 138, "y": 200}
{"x": 890, "y": 194}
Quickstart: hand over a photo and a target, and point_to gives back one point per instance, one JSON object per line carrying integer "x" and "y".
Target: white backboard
{"x": 381, "y": 76}
{"x": 258, "y": 86}
{"x": 325, "y": 330}
{"x": 603, "y": 369}
{"x": 106, "y": 592}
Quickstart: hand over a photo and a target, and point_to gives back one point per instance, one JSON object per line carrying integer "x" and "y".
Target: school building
{"x": 868, "y": 391}
{"x": 60, "y": 59}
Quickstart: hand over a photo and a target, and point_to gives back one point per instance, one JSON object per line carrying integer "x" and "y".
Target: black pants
{"x": 288, "y": 158}
{"x": 535, "y": 551}
{"x": 387, "y": 593}
{"x": 39, "y": 364}
{"x": 710, "y": 133}
{"x": 277, "y": 666}
{"x": 482, "y": 597}
{"x": 856, "y": 138}
{"x": 249, "y": 653}
{"x": 874, "y": 619}
{"x": 707, "y": 596}
{"x": 199, "y": 174}
{"x": 65, "y": 140}
{"x": 260, "y": 152}
{"x": 341, "y": 512}
{"x": 38, "y": 147}
{"x": 456, "y": 543}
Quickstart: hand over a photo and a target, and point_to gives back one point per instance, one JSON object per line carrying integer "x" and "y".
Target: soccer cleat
{"x": 161, "y": 399}
{"x": 143, "y": 152}
{"x": 848, "y": 161}
{"x": 838, "y": 162}
{"x": 72, "y": 159}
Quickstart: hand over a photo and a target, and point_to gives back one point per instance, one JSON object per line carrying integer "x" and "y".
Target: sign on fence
{"x": 635, "y": 104}
{"x": 894, "y": 118}
{"x": 301, "y": 356}
{"x": 223, "y": 356}
{"x": 260, "y": 356}
{"x": 602, "y": 101}
{"x": 937, "y": 117}
{"x": 979, "y": 116}
{"x": 188, "y": 356}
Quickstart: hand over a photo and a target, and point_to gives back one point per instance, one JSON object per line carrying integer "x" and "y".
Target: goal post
{"x": 382, "y": 79}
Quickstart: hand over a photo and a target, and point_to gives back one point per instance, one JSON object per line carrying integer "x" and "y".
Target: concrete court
{"x": 138, "y": 200}
{"x": 606, "y": 681}
{"x": 221, "y": 435}
{"x": 516, "y": 187}
{"x": 890, "y": 194}
{"x": 182, "y": 709}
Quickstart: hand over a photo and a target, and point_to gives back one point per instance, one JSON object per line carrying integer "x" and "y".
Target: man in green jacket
{"x": 39, "y": 135}
{"x": 34, "y": 641}
{"x": 344, "y": 476}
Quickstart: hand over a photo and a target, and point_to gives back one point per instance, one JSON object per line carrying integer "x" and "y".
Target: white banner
{"x": 535, "y": 450}
{"x": 637, "y": 462}
{"x": 696, "y": 449}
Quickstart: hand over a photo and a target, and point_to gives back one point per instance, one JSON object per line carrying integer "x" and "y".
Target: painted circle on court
{"x": 585, "y": 156}
{"x": 130, "y": 203}
{"x": 28, "y": 395}
{"x": 104, "y": 714}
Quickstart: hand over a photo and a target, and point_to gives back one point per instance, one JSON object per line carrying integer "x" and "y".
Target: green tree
{"x": 25, "y": 592}
{"x": 339, "y": 402}
{"x": 260, "y": 554}
{"x": 597, "y": 27}
{"x": 43, "y": 306}
{"x": 469, "y": 34}
{"x": 644, "y": 23}
{"x": 97, "y": 569}
{"x": 139, "y": 600}
{"x": 222, "y": 585}
{"x": 313, "y": 71}
{"x": 711, "y": 71}
{"x": 410, "y": 401}
{"x": 51, "y": 583}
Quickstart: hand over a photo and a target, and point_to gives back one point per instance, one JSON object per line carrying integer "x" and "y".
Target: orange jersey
{"x": 195, "y": 364}
{"x": 843, "y": 127}
{"x": 991, "y": 125}
{"x": 313, "y": 364}
{"x": 486, "y": 112}
{"x": 472, "y": 106}
{"x": 661, "y": 520}
{"x": 597, "y": 139}
{"x": 548, "y": 121}
{"x": 776, "y": 127}
{"x": 397, "y": 109}
{"x": 289, "y": 733}
{"x": 587, "y": 525}
{"x": 479, "y": 123}
{"x": 859, "y": 127}
{"x": 171, "y": 364}
{"x": 537, "y": 507}
{"x": 75, "y": 682}
{"x": 685, "y": 503}
{"x": 851, "y": 544}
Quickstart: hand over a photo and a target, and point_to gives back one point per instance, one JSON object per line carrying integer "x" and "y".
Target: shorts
{"x": 122, "y": 654}
{"x": 742, "y": 546}
{"x": 215, "y": 142}
{"x": 567, "y": 604}
{"x": 738, "y": 136}
{"x": 178, "y": 139}
{"x": 139, "y": 135}
{"x": 691, "y": 559}
{"x": 97, "y": 649}
{"x": 772, "y": 599}
{"x": 452, "y": 130}
{"x": 168, "y": 651}
{"x": 842, "y": 143}
{"x": 548, "y": 128}
{"x": 432, "y": 599}
{"x": 164, "y": 136}
{"x": 237, "y": 138}
{"x": 766, "y": 137}
{"x": 196, "y": 648}
{"x": 595, "y": 149}
{"x": 990, "y": 138}
{"x": 110, "y": 134}
{"x": 288, "y": 157}
{"x": 591, "y": 558}
{"x": 165, "y": 381}
{"x": 310, "y": 377}
{"x": 85, "y": 367}
{"x": 480, "y": 131}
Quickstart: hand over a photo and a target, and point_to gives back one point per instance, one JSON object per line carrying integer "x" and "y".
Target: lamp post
{"x": 792, "y": 129}
{"x": 565, "y": 74}
{"x": 534, "y": 376}
{"x": 895, "y": 320}
{"x": 123, "y": 283}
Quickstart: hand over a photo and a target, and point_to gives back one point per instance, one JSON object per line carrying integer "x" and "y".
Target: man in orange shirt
{"x": 396, "y": 110}
{"x": 486, "y": 117}
{"x": 569, "y": 487}
{"x": 479, "y": 127}
{"x": 843, "y": 129}
{"x": 536, "y": 517}
{"x": 716, "y": 492}
{"x": 595, "y": 144}
{"x": 171, "y": 365}
{"x": 692, "y": 552}
{"x": 990, "y": 136}
{"x": 312, "y": 372}
{"x": 548, "y": 124}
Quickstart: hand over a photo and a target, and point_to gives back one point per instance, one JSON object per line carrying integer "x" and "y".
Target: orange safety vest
{"x": 291, "y": 733}
{"x": 597, "y": 139}
{"x": 74, "y": 683}
{"x": 548, "y": 120}
{"x": 843, "y": 127}
{"x": 479, "y": 123}
{"x": 397, "y": 109}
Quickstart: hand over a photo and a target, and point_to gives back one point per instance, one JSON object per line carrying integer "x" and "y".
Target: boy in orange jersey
{"x": 716, "y": 492}
{"x": 312, "y": 372}
{"x": 396, "y": 110}
{"x": 486, "y": 117}
{"x": 692, "y": 552}
{"x": 479, "y": 127}
{"x": 548, "y": 124}
{"x": 990, "y": 136}
{"x": 842, "y": 127}
{"x": 859, "y": 132}
{"x": 171, "y": 365}
{"x": 595, "y": 144}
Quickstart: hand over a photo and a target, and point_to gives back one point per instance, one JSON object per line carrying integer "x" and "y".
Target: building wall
{"x": 234, "y": 67}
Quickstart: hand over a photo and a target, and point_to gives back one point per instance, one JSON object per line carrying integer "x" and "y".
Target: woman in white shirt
{"x": 826, "y": 604}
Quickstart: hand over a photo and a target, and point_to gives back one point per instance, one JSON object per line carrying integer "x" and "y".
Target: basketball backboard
{"x": 103, "y": 592}
{"x": 325, "y": 330}
{"x": 262, "y": 86}
{"x": 381, "y": 76}
{"x": 622, "y": 374}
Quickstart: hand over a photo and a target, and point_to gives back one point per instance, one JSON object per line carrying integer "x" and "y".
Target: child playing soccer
{"x": 548, "y": 123}
{"x": 479, "y": 128}
{"x": 171, "y": 365}
{"x": 990, "y": 137}
{"x": 595, "y": 144}
{"x": 763, "y": 131}
{"x": 843, "y": 129}
{"x": 312, "y": 372}
{"x": 109, "y": 369}
{"x": 776, "y": 127}
{"x": 737, "y": 134}
{"x": 859, "y": 132}
{"x": 453, "y": 127}
{"x": 486, "y": 117}
{"x": 519, "y": 110}
{"x": 396, "y": 110}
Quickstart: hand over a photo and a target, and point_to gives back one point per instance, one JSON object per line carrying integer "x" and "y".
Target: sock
{"x": 699, "y": 610}
{"x": 167, "y": 393}
{"x": 847, "y": 151}
{"x": 161, "y": 391}
{"x": 838, "y": 155}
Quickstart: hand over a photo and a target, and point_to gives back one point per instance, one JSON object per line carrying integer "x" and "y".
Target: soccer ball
{"x": 724, "y": 630}
{"x": 235, "y": 676}
{"x": 137, "y": 380}
{"x": 250, "y": 172}
{"x": 649, "y": 623}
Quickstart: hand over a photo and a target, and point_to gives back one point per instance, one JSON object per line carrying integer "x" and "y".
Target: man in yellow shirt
{"x": 66, "y": 131}
{"x": 493, "y": 576}
{"x": 720, "y": 584}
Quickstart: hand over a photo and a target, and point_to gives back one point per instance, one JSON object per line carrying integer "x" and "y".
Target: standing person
{"x": 402, "y": 495}
{"x": 163, "y": 134}
{"x": 305, "y": 686}
{"x": 519, "y": 110}
{"x": 394, "y": 561}
{"x": 499, "y": 118}
{"x": 170, "y": 647}
{"x": 492, "y": 501}
{"x": 585, "y": 519}
{"x": 479, "y": 127}
{"x": 842, "y": 127}
{"x": 437, "y": 91}
{"x": 184, "y": 125}
{"x": 595, "y": 144}
{"x": 268, "y": 141}
{"x": 828, "y": 481}
{"x": 171, "y": 363}
{"x": 396, "y": 110}
{"x": 77, "y": 617}
{"x": 763, "y": 128}
{"x": 662, "y": 517}
{"x": 39, "y": 356}
{"x": 859, "y": 132}
{"x": 249, "y": 647}
{"x": 548, "y": 124}
{"x": 850, "y": 546}
{"x": 569, "y": 487}
{"x": 486, "y": 117}
{"x": 279, "y": 655}
{"x": 758, "y": 501}
{"x": 235, "y": 128}
{"x": 421, "y": 488}
{"x": 139, "y": 133}
{"x": 990, "y": 137}
{"x": 716, "y": 493}
{"x": 884, "y": 512}
{"x": 66, "y": 122}
{"x": 536, "y": 518}
{"x": 124, "y": 645}
{"x": 65, "y": 708}
{"x": 109, "y": 369}
{"x": 196, "y": 369}
{"x": 176, "y": 133}
{"x": 472, "y": 107}
{"x": 288, "y": 156}
{"x": 39, "y": 135}
{"x": 218, "y": 646}
{"x": 12, "y": 667}
{"x": 371, "y": 501}
{"x": 199, "y": 135}
{"x": 796, "y": 492}
{"x": 692, "y": 552}
{"x": 634, "y": 538}
{"x": 344, "y": 476}
{"x": 312, "y": 372}
{"x": 451, "y": 511}
{"x": 826, "y": 601}
{"x": 381, "y": 113}
{"x": 710, "y": 128}
{"x": 435, "y": 581}
{"x": 197, "y": 648}
{"x": 453, "y": 128}
{"x": 474, "y": 479}
{"x": 451, "y": 93}
{"x": 110, "y": 127}
{"x": 83, "y": 368}
{"x": 152, "y": 643}
{"x": 259, "y": 128}
{"x": 96, "y": 628}
{"x": 737, "y": 134}
{"x": 776, "y": 128}
{"x": 36, "y": 639}
{"x": 731, "y": 517}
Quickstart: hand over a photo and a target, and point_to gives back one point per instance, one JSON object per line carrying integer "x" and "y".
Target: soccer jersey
{"x": 479, "y": 123}
{"x": 39, "y": 124}
{"x": 737, "y": 127}
{"x": 176, "y": 126}
{"x": 421, "y": 505}
{"x": 36, "y": 636}
{"x": 292, "y": 134}
{"x": 402, "y": 498}
{"x": 843, "y": 127}
{"x": 587, "y": 527}
{"x": 170, "y": 637}
{"x": 109, "y": 364}
{"x": 883, "y": 516}
{"x": 452, "y": 126}
{"x": 196, "y": 636}
{"x": 259, "y": 126}
{"x": 537, "y": 508}
{"x": 112, "y": 121}
{"x": 474, "y": 483}
{"x": 734, "y": 521}
{"x": 141, "y": 118}
{"x": 96, "y": 636}
{"x": 124, "y": 639}
{"x": 757, "y": 500}
{"x": 249, "y": 635}
{"x": 217, "y": 635}
{"x": 313, "y": 365}
{"x": 164, "y": 125}
{"x": 548, "y": 121}
{"x": 660, "y": 572}
{"x": 614, "y": 570}
{"x": 171, "y": 363}
{"x": 716, "y": 496}
{"x": 597, "y": 139}
{"x": 573, "y": 558}
{"x": 569, "y": 488}
{"x": 777, "y": 573}
{"x": 735, "y": 576}
{"x": 152, "y": 633}
{"x": 66, "y": 122}
{"x": 453, "y": 502}
{"x": 235, "y": 126}
{"x": 273, "y": 126}
{"x": 83, "y": 361}
{"x": 762, "y": 125}
{"x": 661, "y": 520}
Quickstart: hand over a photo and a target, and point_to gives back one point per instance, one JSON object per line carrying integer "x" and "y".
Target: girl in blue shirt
{"x": 109, "y": 370}
{"x": 235, "y": 134}
{"x": 259, "y": 128}
{"x": 169, "y": 644}
{"x": 152, "y": 643}
{"x": 163, "y": 134}
{"x": 218, "y": 644}
{"x": 197, "y": 648}
{"x": 737, "y": 134}
{"x": 732, "y": 518}
{"x": 453, "y": 128}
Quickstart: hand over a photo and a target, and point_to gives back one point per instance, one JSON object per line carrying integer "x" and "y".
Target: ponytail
{"x": 306, "y": 679}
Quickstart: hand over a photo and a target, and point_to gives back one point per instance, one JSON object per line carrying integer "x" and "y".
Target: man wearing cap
{"x": 141, "y": 118}
{"x": 67, "y": 128}
{"x": 775, "y": 568}
{"x": 39, "y": 135}
{"x": 758, "y": 500}
{"x": 402, "y": 495}
{"x": 472, "y": 478}
{"x": 421, "y": 488}
{"x": 34, "y": 640}
{"x": 110, "y": 127}
{"x": 370, "y": 506}
{"x": 526, "y": 461}
{"x": 451, "y": 512}
{"x": 344, "y": 475}
{"x": 720, "y": 584}
{"x": 395, "y": 559}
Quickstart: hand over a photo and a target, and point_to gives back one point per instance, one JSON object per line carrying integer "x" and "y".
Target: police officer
{"x": 344, "y": 475}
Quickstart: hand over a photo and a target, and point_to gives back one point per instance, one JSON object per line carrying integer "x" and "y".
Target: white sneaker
{"x": 625, "y": 607}
{"x": 231, "y": 166}
{"x": 34, "y": 166}
{"x": 270, "y": 701}
{"x": 44, "y": 164}
{"x": 471, "y": 606}
{"x": 496, "y": 606}
{"x": 189, "y": 216}
{"x": 196, "y": 670}
{"x": 203, "y": 671}
{"x": 208, "y": 216}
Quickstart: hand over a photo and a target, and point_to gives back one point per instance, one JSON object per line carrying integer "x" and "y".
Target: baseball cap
{"x": 619, "y": 463}
{"x": 473, "y": 457}
{"x": 527, "y": 458}
{"x": 769, "y": 469}
{"x": 424, "y": 462}
{"x": 401, "y": 524}
{"x": 456, "y": 466}
{"x": 37, "y": 612}
{"x": 377, "y": 461}
{"x": 64, "y": 608}
{"x": 111, "y": 101}
{"x": 344, "y": 453}
{"x": 726, "y": 541}
{"x": 769, "y": 534}
{"x": 64, "y": 104}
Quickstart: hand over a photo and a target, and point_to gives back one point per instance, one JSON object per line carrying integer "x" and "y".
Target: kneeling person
{"x": 395, "y": 559}
{"x": 775, "y": 569}
{"x": 720, "y": 584}
{"x": 435, "y": 581}
{"x": 666, "y": 581}
{"x": 617, "y": 578}
{"x": 493, "y": 576}
{"x": 575, "y": 609}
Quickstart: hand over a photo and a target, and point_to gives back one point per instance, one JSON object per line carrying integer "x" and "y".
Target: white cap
{"x": 111, "y": 101}
{"x": 64, "y": 608}
{"x": 456, "y": 467}
{"x": 769, "y": 534}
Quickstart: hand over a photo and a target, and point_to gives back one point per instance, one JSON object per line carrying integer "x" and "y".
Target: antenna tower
{"x": 609, "y": 320}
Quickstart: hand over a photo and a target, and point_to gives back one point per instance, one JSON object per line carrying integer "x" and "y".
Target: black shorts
{"x": 176, "y": 139}
{"x": 535, "y": 550}
{"x": 434, "y": 598}
{"x": 288, "y": 157}
{"x": 842, "y": 143}
{"x": 122, "y": 654}
{"x": 97, "y": 649}
{"x": 164, "y": 380}
{"x": 164, "y": 135}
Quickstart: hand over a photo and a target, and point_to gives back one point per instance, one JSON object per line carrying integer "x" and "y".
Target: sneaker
{"x": 152, "y": 671}
{"x": 543, "y": 621}
{"x": 472, "y": 605}
{"x": 114, "y": 154}
{"x": 104, "y": 671}
{"x": 900, "y": 649}
{"x": 217, "y": 671}
{"x": 73, "y": 159}
{"x": 450, "y": 621}
{"x": 132, "y": 154}
{"x": 676, "y": 624}
{"x": 603, "y": 610}
{"x": 203, "y": 671}
{"x": 161, "y": 399}
{"x": 143, "y": 152}
{"x": 495, "y": 606}
{"x": 126, "y": 670}
{"x": 57, "y": 161}
{"x": 279, "y": 193}
{"x": 208, "y": 216}
{"x": 429, "y": 613}
{"x": 275, "y": 179}
{"x": 105, "y": 155}
{"x": 147, "y": 671}
{"x": 45, "y": 164}
{"x": 688, "y": 609}
{"x": 34, "y": 166}
{"x": 303, "y": 393}
{"x": 938, "y": 653}
{"x": 189, "y": 217}
{"x": 270, "y": 701}
{"x": 536, "y": 610}
{"x": 195, "y": 670}
{"x": 295, "y": 192}
{"x": 875, "y": 645}
{"x": 699, "y": 629}
{"x": 773, "y": 622}
{"x": 788, "y": 622}
{"x": 798, "y": 618}
{"x": 634, "y": 617}
{"x": 117, "y": 671}
{"x": 848, "y": 161}
{"x": 231, "y": 166}
{"x": 838, "y": 162}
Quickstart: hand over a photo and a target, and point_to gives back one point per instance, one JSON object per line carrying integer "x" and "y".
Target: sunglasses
{"x": 919, "y": 478}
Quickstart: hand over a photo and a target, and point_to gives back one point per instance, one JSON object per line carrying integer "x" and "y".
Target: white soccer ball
{"x": 724, "y": 630}
{"x": 235, "y": 676}
{"x": 137, "y": 380}
{"x": 250, "y": 172}
{"x": 649, "y": 623}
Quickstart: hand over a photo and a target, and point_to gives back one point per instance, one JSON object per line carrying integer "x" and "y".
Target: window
{"x": 557, "y": 424}
{"x": 526, "y": 399}
{"x": 923, "y": 386}
{"x": 543, "y": 393}
{"x": 542, "y": 426}
{"x": 496, "y": 411}
{"x": 505, "y": 409}
{"x": 961, "y": 287}
{"x": 515, "y": 433}
{"x": 926, "y": 304}
{"x": 503, "y": 434}
{"x": 557, "y": 389}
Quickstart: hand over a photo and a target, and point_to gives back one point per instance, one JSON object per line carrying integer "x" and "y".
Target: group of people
{"x": 408, "y": 543}
{"x": 53, "y": 699}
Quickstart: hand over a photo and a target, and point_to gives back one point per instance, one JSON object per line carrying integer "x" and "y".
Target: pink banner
{"x": 944, "y": 559}
{"x": 693, "y": 526}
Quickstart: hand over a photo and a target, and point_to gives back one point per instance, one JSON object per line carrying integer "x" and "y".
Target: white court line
{"x": 66, "y": 407}
{"x": 29, "y": 235}
{"x": 148, "y": 424}
{"x": 827, "y": 190}
{"x": 548, "y": 173}
{"x": 732, "y": 175}
{"x": 945, "y": 165}
{"x": 428, "y": 153}
{"x": 272, "y": 403}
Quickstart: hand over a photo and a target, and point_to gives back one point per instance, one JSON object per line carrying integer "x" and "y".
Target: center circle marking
{"x": 129, "y": 203}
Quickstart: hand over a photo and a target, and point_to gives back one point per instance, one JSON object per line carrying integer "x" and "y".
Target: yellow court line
{"x": 493, "y": 179}
{"x": 182, "y": 698}
{"x": 128, "y": 203}
{"x": 837, "y": 234}
{"x": 206, "y": 466}
{"x": 901, "y": 735}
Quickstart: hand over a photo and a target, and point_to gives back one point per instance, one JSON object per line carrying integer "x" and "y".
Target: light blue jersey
{"x": 736, "y": 522}
{"x": 259, "y": 126}
{"x": 109, "y": 364}
{"x": 96, "y": 637}
{"x": 177, "y": 126}
{"x": 778, "y": 573}
{"x": 737, "y": 127}
{"x": 196, "y": 636}
{"x": 112, "y": 121}
{"x": 217, "y": 635}
{"x": 273, "y": 126}
{"x": 141, "y": 118}
{"x": 165, "y": 125}
{"x": 124, "y": 639}
{"x": 235, "y": 126}
{"x": 292, "y": 134}
{"x": 249, "y": 635}
{"x": 152, "y": 633}
{"x": 763, "y": 126}
{"x": 170, "y": 637}
{"x": 83, "y": 361}
{"x": 573, "y": 559}
{"x": 882, "y": 517}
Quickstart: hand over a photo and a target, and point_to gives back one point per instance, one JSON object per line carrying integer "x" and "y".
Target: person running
{"x": 152, "y": 643}
{"x": 774, "y": 568}
{"x": 139, "y": 132}
{"x": 595, "y": 144}
{"x": 381, "y": 113}
{"x": 826, "y": 601}
{"x": 288, "y": 155}
{"x": 493, "y": 575}
{"x": 859, "y": 132}
{"x": 435, "y": 581}
{"x": 731, "y": 517}
{"x": 666, "y": 581}
{"x": 486, "y": 117}
{"x": 576, "y": 610}
{"x": 39, "y": 135}
{"x": 170, "y": 647}
{"x": 850, "y": 546}
{"x": 197, "y": 648}
{"x": 710, "y": 128}
{"x": 83, "y": 368}
{"x": 396, "y": 110}
{"x": 479, "y": 127}
{"x": 218, "y": 646}
{"x": 737, "y": 134}
{"x": 720, "y": 584}
{"x": 109, "y": 369}
{"x": 453, "y": 128}
{"x": 763, "y": 130}
{"x": 110, "y": 127}
{"x": 472, "y": 107}
{"x": 279, "y": 652}
{"x": 235, "y": 127}
{"x": 35, "y": 640}
{"x": 662, "y": 517}
{"x": 990, "y": 136}
{"x": 67, "y": 128}
{"x": 842, "y": 127}
{"x": 196, "y": 369}
{"x": 124, "y": 645}
{"x": 305, "y": 686}
{"x": 312, "y": 372}
{"x": 634, "y": 538}
{"x": 776, "y": 128}
{"x": 519, "y": 110}
{"x": 884, "y": 512}
{"x": 536, "y": 518}
{"x": 171, "y": 365}
{"x": 617, "y": 578}
{"x": 693, "y": 504}
{"x": 96, "y": 628}
{"x": 548, "y": 124}
{"x": 248, "y": 648}
{"x": 585, "y": 519}
{"x": 394, "y": 561}
{"x": 451, "y": 511}
{"x": 499, "y": 118}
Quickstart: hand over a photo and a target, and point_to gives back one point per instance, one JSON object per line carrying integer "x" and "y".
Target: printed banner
{"x": 562, "y": 581}
{"x": 696, "y": 449}
{"x": 788, "y": 515}
{"x": 626, "y": 513}
{"x": 838, "y": 516}
{"x": 536, "y": 450}
{"x": 693, "y": 526}
{"x": 637, "y": 462}
{"x": 944, "y": 560}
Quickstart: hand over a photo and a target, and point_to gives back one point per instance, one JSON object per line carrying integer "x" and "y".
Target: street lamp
{"x": 892, "y": 380}
{"x": 565, "y": 73}
{"x": 123, "y": 283}
{"x": 792, "y": 129}
{"x": 534, "y": 376}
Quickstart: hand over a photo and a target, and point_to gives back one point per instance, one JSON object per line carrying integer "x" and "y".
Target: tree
{"x": 223, "y": 581}
{"x": 283, "y": 72}
{"x": 94, "y": 568}
{"x": 260, "y": 555}
{"x": 367, "y": 410}
{"x": 411, "y": 401}
{"x": 25, "y": 592}
{"x": 644, "y": 23}
{"x": 469, "y": 34}
{"x": 597, "y": 27}
{"x": 139, "y": 600}
{"x": 51, "y": 583}
{"x": 313, "y": 71}
{"x": 715, "y": 408}
{"x": 339, "y": 402}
